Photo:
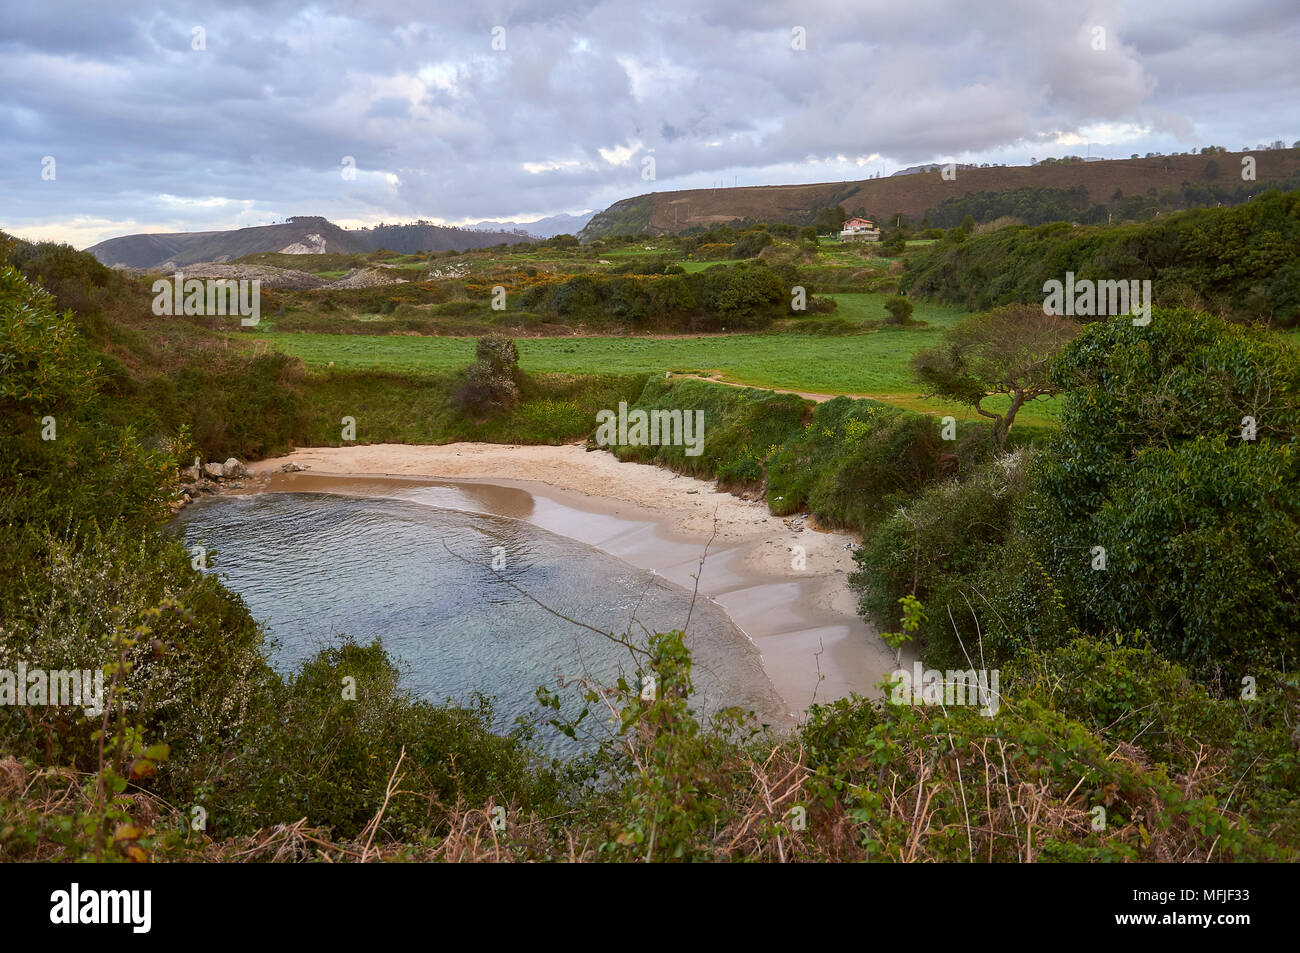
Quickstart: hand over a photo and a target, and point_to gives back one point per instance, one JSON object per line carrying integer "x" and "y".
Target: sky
{"x": 122, "y": 117}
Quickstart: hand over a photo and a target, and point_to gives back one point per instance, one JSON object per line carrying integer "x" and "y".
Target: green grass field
{"x": 874, "y": 364}
{"x": 690, "y": 267}
{"x": 859, "y": 308}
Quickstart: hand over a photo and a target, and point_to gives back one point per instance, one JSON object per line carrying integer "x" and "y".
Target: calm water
{"x": 314, "y": 566}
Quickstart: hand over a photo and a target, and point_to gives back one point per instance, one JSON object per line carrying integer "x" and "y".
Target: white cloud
{"x": 1104, "y": 134}
{"x": 147, "y": 131}
{"x": 537, "y": 168}
{"x": 621, "y": 155}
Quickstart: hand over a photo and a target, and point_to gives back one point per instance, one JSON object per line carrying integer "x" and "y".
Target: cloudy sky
{"x": 120, "y": 117}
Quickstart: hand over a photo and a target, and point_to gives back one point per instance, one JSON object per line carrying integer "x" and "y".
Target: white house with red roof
{"x": 859, "y": 229}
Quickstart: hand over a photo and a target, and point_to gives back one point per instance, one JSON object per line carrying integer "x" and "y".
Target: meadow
{"x": 871, "y": 364}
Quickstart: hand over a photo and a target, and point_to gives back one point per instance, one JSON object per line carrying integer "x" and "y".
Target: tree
{"x": 43, "y": 364}
{"x": 492, "y": 382}
{"x": 750, "y": 244}
{"x": 1006, "y": 351}
{"x": 670, "y": 297}
{"x": 899, "y": 308}
{"x": 831, "y": 219}
{"x": 894, "y": 243}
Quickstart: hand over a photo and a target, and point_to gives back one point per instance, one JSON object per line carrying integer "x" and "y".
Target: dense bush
{"x": 1033, "y": 206}
{"x": 739, "y": 297}
{"x": 899, "y": 309}
{"x": 935, "y": 546}
{"x": 750, "y": 244}
{"x": 858, "y": 458}
{"x": 68, "y": 599}
{"x": 1240, "y": 262}
{"x": 55, "y": 451}
{"x": 491, "y": 384}
{"x": 330, "y": 757}
{"x": 712, "y": 252}
{"x": 1149, "y": 513}
{"x": 740, "y": 425}
{"x": 1156, "y": 463}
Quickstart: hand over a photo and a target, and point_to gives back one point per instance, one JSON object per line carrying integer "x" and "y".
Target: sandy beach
{"x": 800, "y": 614}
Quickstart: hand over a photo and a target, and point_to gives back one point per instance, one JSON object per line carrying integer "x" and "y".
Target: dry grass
{"x": 936, "y": 800}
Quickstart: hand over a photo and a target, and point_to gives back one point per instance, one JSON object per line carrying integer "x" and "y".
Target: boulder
{"x": 214, "y": 470}
{"x": 234, "y": 468}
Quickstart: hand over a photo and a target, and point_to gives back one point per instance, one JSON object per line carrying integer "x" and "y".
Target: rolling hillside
{"x": 302, "y": 234}
{"x": 914, "y": 195}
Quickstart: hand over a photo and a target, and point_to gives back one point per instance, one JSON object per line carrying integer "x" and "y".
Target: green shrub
{"x": 935, "y": 547}
{"x": 853, "y": 461}
{"x": 750, "y": 244}
{"x": 1235, "y": 261}
{"x": 899, "y": 309}
{"x": 328, "y": 756}
{"x": 740, "y": 424}
{"x": 491, "y": 383}
{"x": 713, "y": 252}
{"x": 1200, "y": 527}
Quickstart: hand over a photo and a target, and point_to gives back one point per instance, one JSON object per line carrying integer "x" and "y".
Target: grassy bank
{"x": 394, "y": 407}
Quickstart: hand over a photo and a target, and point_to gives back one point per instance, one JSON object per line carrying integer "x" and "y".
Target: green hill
{"x": 916, "y": 194}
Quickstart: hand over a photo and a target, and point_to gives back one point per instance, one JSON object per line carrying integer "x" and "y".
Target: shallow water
{"x": 419, "y": 578}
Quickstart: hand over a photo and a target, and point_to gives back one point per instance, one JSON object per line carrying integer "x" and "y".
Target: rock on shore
{"x": 201, "y": 478}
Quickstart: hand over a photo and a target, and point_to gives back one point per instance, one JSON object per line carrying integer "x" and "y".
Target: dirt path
{"x": 807, "y": 395}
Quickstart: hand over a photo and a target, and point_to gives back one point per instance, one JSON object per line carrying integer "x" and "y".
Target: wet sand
{"x": 803, "y": 621}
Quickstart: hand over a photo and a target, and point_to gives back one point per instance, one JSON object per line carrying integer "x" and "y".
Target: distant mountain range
{"x": 918, "y": 192}
{"x": 302, "y": 234}
{"x": 543, "y": 227}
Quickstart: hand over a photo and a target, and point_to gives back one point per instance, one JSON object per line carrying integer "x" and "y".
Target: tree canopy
{"x": 1006, "y": 351}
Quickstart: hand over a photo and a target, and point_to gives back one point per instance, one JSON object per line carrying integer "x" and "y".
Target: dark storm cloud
{"x": 150, "y": 133}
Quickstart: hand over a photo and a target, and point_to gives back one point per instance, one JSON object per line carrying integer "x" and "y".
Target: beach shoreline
{"x": 782, "y": 583}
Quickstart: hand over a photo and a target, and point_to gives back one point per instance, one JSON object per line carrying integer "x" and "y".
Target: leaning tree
{"x": 1004, "y": 352}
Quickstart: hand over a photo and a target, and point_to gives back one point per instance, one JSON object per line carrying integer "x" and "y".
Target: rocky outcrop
{"x": 287, "y": 279}
{"x": 207, "y": 478}
{"x": 368, "y": 278}
{"x": 313, "y": 244}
